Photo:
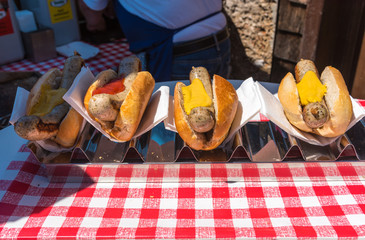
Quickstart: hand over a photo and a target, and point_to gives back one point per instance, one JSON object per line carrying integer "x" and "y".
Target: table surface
{"x": 109, "y": 57}
{"x": 33, "y": 207}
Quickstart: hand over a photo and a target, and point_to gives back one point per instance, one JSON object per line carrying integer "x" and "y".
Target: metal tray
{"x": 256, "y": 142}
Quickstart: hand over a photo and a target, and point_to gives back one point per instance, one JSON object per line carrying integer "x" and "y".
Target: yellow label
{"x": 60, "y": 10}
{"x": 195, "y": 96}
{"x": 310, "y": 89}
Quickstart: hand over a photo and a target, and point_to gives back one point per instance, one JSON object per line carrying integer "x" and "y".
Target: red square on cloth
{"x": 113, "y": 213}
{"x": 85, "y": 192}
{"x": 7, "y": 209}
{"x": 118, "y": 192}
{"x": 226, "y": 232}
{"x": 187, "y": 171}
{"x": 29, "y": 232}
{"x": 107, "y": 232}
{"x": 305, "y": 231}
{"x": 18, "y": 187}
{"x": 259, "y": 213}
{"x": 149, "y": 213}
{"x": 295, "y": 212}
{"x": 185, "y": 213}
{"x": 76, "y": 211}
{"x": 315, "y": 171}
{"x": 186, "y": 192}
{"x": 254, "y": 192}
{"x": 41, "y": 212}
{"x": 145, "y": 232}
{"x": 222, "y": 214}
{"x": 356, "y": 189}
{"x": 220, "y": 192}
{"x": 67, "y": 231}
{"x": 289, "y": 192}
{"x": 152, "y": 193}
{"x": 185, "y": 232}
{"x": 265, "y": 232}
{"x": 333, "y": 211}
{"x": 345, "y": 231}
{"x": 323, "y": 190}
{"x": 52, "y": 192}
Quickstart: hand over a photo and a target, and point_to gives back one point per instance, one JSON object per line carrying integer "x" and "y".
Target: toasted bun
{"x": 225, "y": 101}
{"x": 133, "y": 107}
{"x": 69, "y": 129}
{"x": 289, "y": 98}
{"x": 139, "y": 87}
{"x": 338, "y": 103}
{"x": 52, "y": 77}
{"x": 337, "y": 100}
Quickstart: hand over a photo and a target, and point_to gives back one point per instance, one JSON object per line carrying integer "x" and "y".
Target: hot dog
{"x": 117, "y": 101}
{"x": 48, "y": 116}
{"x": 316, "y": 104}
{"x": 204, "y": 110}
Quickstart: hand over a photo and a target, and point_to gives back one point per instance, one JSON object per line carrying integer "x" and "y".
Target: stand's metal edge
{"x": 260, "y": 142}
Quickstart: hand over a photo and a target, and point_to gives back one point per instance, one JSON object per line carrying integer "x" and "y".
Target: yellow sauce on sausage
{"x": 195, "y": 95}
{"x": 49, "y": 99}
{"x": 310, "y": 89}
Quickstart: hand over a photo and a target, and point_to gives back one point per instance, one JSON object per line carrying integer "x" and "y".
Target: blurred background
{"x": 268, "y": 37}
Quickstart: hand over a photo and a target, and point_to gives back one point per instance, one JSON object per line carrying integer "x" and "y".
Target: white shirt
{"x": 173, "y": 14}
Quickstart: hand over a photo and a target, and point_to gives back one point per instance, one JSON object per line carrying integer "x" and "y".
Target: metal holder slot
{"x": 255, "y": 142}
{"x": 97, "y": 159}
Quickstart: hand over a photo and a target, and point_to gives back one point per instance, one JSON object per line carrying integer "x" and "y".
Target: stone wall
{"x": 252, "y": 25}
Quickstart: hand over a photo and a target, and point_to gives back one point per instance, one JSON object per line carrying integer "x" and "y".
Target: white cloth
{"x": 173, "y": 14}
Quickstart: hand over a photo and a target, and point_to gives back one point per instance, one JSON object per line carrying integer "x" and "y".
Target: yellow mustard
{"x": 49, "y": 99}
{"x": 310, "y": 89}
{"x": 195, "y": 96}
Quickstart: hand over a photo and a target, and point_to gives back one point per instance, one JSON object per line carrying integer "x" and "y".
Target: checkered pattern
{"x": 257, "y": 200}
{"x": 109, "y": 56}
{"x": 270, "y": 201}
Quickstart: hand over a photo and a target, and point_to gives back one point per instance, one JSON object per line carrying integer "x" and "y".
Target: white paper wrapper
{"x": 248, "y": 106}
{"x": 273, "y": 110}
{"x": 85, "y": 50}
{"x": 156, "y": 111}
{"x": 19, "y": 110}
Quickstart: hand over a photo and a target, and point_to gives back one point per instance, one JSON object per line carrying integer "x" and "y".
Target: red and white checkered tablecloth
{"x": 271, "y": 200}
{"x": 109, "y": 56}
{"x": 33, "y": 207}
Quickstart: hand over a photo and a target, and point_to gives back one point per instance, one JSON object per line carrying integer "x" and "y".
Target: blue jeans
{"x": 215, "y": 59}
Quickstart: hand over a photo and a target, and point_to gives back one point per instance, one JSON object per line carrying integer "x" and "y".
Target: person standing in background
{"x": 173, "y": 35}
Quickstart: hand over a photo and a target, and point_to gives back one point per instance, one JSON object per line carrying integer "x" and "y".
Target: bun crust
{"x": 52, "y": 77}
{"x": 338, "y": 103}
{"x": 337, "y": 100}
{"x": 69, "y": 129}
{"x": 289, "y": 98}
{"x": 225, "y": 101}
{"x": 133, "y": 107}
{"x": 139, "y": 89}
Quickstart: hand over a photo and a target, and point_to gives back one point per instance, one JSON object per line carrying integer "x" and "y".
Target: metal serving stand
{"x": 256, "y": 142}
